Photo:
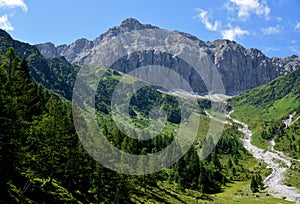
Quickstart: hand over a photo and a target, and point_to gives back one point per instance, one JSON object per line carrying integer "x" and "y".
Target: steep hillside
{"x": 266, "y": 106}
{"x": 43, "y": 160}
{"x": 272, "y": 112}
{"x": 55, "y": 74}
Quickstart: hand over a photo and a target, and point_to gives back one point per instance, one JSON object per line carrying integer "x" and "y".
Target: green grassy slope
{"x": 261, "y": 107}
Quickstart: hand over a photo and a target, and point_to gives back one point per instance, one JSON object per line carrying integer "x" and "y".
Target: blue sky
{"x": 272, "y": 26}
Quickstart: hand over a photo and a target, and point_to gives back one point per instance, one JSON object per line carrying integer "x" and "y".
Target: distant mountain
{"x": 241, "y": 69}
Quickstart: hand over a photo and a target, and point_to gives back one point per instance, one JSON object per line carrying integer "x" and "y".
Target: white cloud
{"x": 202, "y": 16}
{"x": 297, "y": 26}
{"x": 245, "y": 7}
{"x": 271, "y": 30}
{"x": 234, "y": 33}
{"x": 5, "y": 24}
{"x": 279, "y": 19}
{"x": 13, "y": 4}
{"x": 10, "y": 4}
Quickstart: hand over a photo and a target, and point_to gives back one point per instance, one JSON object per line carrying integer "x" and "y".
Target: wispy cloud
{"x": 5, "y": 24}
{"x": 203, "y": 17}
{"x": 271, "y": 30}
{"x": 271, "y": 49}
{"x": 279, "y": 19}
{"x": 234, "y": 33}
{"x": 246, "y": 7}
{"x": 231, "y": 33}
{"x": 294, "y": 49}
{"x": 297, "y": 26}
{"x": 13, "y": 4}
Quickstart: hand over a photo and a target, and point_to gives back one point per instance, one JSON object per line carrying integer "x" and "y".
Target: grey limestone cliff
{"x": 241, "y": 69}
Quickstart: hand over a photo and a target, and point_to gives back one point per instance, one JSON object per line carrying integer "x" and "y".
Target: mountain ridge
{"x": 55, "y": 74}
{"x": 240, "y": 68}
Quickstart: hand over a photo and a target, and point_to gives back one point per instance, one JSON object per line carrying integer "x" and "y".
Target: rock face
{"x": 48, "y": 50}
{"x": 241, "y": 69}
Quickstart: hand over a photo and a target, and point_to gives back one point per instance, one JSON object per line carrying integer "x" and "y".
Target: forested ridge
{"x": 54, "y": 74}
{"x": 43, "y": 161}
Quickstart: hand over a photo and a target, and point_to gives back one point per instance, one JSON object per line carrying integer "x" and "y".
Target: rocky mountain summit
{"x": 240, "y": 68}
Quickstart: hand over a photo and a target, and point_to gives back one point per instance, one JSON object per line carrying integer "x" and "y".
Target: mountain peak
{"x": 130, "y": 22}
{"x": 127, "y": 25}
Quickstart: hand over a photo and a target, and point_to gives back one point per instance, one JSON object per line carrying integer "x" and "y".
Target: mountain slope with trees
{"x": 43, "y": 161}
{"x": 55, "y": 74}
{"x": 264, "y": 108}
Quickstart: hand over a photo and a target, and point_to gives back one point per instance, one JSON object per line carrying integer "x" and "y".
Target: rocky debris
{"x": 275, "y": 160}
{"x": 289, "y": 121}
{"x": 286, "y": 65}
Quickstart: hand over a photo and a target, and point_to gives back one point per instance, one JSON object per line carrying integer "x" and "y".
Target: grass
{"x": 252, "y": 116}
{"x": 255, "y": 116}
{"x": 165, "y": 192}
{"x": 203, "y": 128}
{"x": 292, "y": 173}
{"x": 237, "y": 192}
{"x": 289, "y": 143}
